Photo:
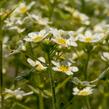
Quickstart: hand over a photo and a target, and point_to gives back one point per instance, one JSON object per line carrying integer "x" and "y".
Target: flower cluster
{"x": 51, "y": 48}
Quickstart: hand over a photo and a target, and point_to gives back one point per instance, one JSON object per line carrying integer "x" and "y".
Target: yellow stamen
{"x": 23, "y": 9}
{"x": 88, "y": 39}
{"x": 83, "y": 93}
{"x": 61, "y": 41}
{"x": 64, "y": 68}
{"x": 40, "y": 67}
{"x": 37, "y": 38}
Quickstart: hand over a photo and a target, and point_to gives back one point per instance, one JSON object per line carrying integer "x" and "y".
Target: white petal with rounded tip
{"x": 106, "y": 55}
{"x": 31, "y": 62}
{"x": 42, "y": 59}
{"x": 69, "y": 73}
{"x": 55, "y": 63}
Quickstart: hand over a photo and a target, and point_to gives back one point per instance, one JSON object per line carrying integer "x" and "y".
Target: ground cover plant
{"x": 54, "y": 54}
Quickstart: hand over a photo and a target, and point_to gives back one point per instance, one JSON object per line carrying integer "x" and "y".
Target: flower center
{"x": 61, "y": 41}
{"x": 40, "y": 67}
{"x": 37, "y": 38}
{"x": 83, "y": 93}
{"x": 23, "y": 9}
{"x": 63, "y": 68}
{"x": 88, "y": 39}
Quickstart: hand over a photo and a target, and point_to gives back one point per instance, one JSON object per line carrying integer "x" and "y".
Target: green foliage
{"x": 55, "y": 54}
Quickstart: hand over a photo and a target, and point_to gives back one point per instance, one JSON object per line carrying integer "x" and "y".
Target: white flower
{"x": 84, "y": 92}
{"x": 18, "y": 93}
{"x": 36, "y": 36}
{"x": 102, "y": 27}
{"x": 55, "y": 32}
{"x": 65, "y": 68}
{"x": 90, "y": 37}
{"x": 14, "y": 23}
{"x": 23, "y": 8}
{"x": 83, "y": 18}
{"x": 59, "y": 38}
{"x": 40, "y": 20}
{"x": 37, "y": 64}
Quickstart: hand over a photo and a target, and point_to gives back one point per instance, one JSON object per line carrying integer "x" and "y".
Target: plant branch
{"x": 86, "y": 66}
{"x": 52, "y": 83}
{"x": 101, "y": 75}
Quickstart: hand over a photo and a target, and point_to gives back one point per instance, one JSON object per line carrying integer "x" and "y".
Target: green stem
{"x": 17, "y": 104}
{"x": 83, "y": 4}
{"x": 86, "y": 66}
{"x": 1, "y": 78}
{"x": 88, "y": 103}
{"x": 51, "y": 8}
{"x": 86, "y": 77}
{"x": 41, "y": 101}
{"x": 1, "y": 73}
{"x": 52, "y": 82}
{"x": 101, "y": 75}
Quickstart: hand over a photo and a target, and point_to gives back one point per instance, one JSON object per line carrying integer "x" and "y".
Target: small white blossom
{"x": 90, "y": 37}
{"x": 65, "y": 68}
{"x": 18, "y": 93}
{"x": 14, "y": 23}
{"x": 60, "y": 37}
{"x": 84, "y": 92}
{"x": 23, "y": 8}
{"x": 37, "y": 64}
{"x": 36, "y": 36}
{"x": 102, "y": 27}
{"x": 40, "y": 20}
{"x": 84, "y": 19}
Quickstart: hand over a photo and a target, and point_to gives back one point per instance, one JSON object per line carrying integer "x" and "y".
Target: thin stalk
{"x": 83, "y": 4}
{"x": 17, "y": 104}
{"x": 1, "y": 73}
{"x": 1, "y": 78}
{"x": 101, "y": 75}
{"x": 86, "y": 77}
{"x": 52, "y": 83}
{"x": 86, "y": 66}
{"x": 16, "y": 74}
{"x": 41, "y": 101}
{"x": 51, "y": 8}
{"x": 88, "y": 103}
